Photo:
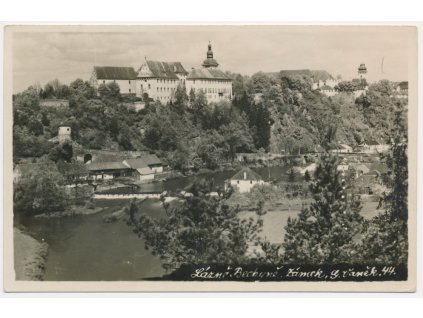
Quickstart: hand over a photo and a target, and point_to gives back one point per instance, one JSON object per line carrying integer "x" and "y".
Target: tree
{"x": 181, "y": 99}
{"x": 323, "y": 232}
{"x": 345, "y": 86}
{"x": 40, "y": 192}
{"x": 385, "y": 239}
{"x": 307, "y": 176}
{"x": 201, "y": 229}
{"x": 62, "y": 152}
{"x": 109, "y": 92}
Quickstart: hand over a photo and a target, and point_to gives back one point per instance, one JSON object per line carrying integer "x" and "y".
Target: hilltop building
{"x": 214, "y": 83}
{"x": 159, "y": 80}
{"x": 125, "y": 77}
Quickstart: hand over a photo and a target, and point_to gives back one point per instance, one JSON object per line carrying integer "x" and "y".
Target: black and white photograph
{"x": 219, "y": 157}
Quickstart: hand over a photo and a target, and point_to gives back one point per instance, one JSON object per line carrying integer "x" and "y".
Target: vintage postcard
{"x": 210, "y": 158}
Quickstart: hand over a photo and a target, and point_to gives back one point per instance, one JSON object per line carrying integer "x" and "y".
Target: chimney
{"x": 245, "y": 175}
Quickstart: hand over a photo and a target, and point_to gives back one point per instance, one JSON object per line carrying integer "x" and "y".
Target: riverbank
{"x": 30, "y": 256}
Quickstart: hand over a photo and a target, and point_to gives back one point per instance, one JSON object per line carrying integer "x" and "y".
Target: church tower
{"x": 362, "y": 73}
{"x": 210, "y": 62}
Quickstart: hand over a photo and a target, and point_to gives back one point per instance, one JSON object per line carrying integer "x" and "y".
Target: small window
{"x": 237, "y": 181}
{"x": 129, "y": 90}
{"x": 129, "y": 81}
{"x": 149, "y": 86}
{"x": 104, "y": 82}
{"x": 251, "y": 181}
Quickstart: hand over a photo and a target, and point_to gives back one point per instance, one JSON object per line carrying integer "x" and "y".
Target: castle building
{"x": 125, "y": 77}
{"x": 159, "y": 80}
{"x": 214, "y": 83}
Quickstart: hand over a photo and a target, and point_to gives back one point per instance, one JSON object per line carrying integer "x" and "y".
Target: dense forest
{"x": 269, "y": 112}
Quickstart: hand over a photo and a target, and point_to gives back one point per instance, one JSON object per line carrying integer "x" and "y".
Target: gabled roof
{"x": 143, "y": 162}
{"x": 145, "y": 171}
{"x": 115, "y": 72}
{"x": 246, "y": 174}
{"x": 166, "y": 70}
{"x": 207, "y": 73}
{"x": 101, "y": 166}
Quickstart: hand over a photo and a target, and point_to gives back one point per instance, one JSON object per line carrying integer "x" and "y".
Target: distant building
{"x": 64, "y": 134}
{"x": 328, "y": 82}
{"x": 160, "y": 80}
{"x": 214, "y": 83}
{"x": 245, "y": 179}
{"x": 125, "y": 77}
{"x": 373, "y": 147}
{"x": 146, "y": 167}
{"x": 362, "y": 73}
{"x": 328, "y": 90}
{"x": 108, "y": 170}
{"x": 402, "y": 90}
{"x": 342, "y": 148}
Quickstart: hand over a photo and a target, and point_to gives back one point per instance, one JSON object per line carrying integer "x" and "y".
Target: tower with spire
{"x": 210, "y": 62}
{"x": 362, "y": 73}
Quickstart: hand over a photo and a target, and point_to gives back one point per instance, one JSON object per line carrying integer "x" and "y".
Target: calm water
{"x": 85, "y": 248}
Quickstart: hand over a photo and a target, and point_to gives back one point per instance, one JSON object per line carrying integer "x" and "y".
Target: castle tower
{"x": 64, "y": 134}
{"x": 210, "y": 62}
{"x": 362, "y": 73}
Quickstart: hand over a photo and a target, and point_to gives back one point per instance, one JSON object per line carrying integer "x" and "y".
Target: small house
{"x": 108, "y": 170}
{"x": 245, "y": 179}
{"x": 145, "y": 167}
{"x": 328, "y": 91}
{"x": 342, "y": 148}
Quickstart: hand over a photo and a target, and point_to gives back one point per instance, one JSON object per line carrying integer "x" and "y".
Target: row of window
{"x": 214, "y": 81}
{"x": 212, "y": 90}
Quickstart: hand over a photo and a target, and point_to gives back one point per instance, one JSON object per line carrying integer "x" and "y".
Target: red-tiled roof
{"x": 115, "y": 72}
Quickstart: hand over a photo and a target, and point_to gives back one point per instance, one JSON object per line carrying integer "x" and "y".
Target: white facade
{"x": 215, "y": 90}
{"x": 245, "y": 186}
{"x": 329, "y": 82}
{"x": 64, "y": 134}
{"x": 125, "y": 86}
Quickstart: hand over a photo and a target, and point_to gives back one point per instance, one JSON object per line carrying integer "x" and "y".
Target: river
{"x": 83, "y": 248}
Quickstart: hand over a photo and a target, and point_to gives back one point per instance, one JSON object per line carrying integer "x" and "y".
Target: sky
{"x": 46, "y": 53}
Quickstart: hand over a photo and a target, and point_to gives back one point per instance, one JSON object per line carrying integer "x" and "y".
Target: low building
{"x": 402, "y": 90}
{"x": 108, "y": 170}
{"x": 146, "y": 167}
{"x": 245, "y": 179}
{"x": 373, "y": 147}
{"x": 328, "y": 90}
{"x": 342, "y": 148}
{"x": 125, "y": 77}
{"x": 73, "y": 172}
